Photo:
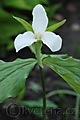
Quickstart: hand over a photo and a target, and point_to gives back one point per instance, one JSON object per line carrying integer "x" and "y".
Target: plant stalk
{"x": 44, "y": 94}
{"x": 77, "y": 107}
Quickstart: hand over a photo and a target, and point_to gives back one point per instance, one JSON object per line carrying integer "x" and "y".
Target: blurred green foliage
{"x": 23, "y": 4}
{"x": 9, "y": 27}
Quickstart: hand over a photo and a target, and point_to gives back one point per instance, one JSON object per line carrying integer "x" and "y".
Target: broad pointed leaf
{"x": 67, "y": 67}
{"x": 13, "y": 76}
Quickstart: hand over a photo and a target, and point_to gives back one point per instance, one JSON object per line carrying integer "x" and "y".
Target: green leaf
{"x": 26, "y": 25}
{"x": 67, "y": 67}
{"x": 55, "y": 26}
{"x": 35, "y": 106}
{"x": 38, "y": 103}
{"x": 13, "y": 77}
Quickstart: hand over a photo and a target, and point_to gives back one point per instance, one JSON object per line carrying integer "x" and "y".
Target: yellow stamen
{"x": 38, "y": 36}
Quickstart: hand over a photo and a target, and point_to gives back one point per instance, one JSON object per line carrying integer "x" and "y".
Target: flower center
{"x": 38, "y": 36}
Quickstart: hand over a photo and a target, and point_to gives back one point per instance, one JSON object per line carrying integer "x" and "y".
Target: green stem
{"x": 44, "y": 94}
{"x": 77, "y": 107}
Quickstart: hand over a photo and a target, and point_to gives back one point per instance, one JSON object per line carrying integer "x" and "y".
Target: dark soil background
{"x": 70, "y": 33}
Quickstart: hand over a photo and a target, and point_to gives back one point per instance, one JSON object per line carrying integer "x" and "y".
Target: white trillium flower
{"x": 39, "y": 25}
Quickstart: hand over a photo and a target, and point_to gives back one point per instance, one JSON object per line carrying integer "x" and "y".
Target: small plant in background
{"x": 13, "y": 74}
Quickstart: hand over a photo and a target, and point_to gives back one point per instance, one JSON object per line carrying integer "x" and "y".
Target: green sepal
{"x": 55, "y": 26}
{"x": 36, "y": 49}
{"x": 25, "y": 24}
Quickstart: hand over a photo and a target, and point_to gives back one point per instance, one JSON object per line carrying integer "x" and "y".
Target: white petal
{"x": 53, "y": 41}
{"x": 40, "y": 19}
{"x": 23, "y": 40}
